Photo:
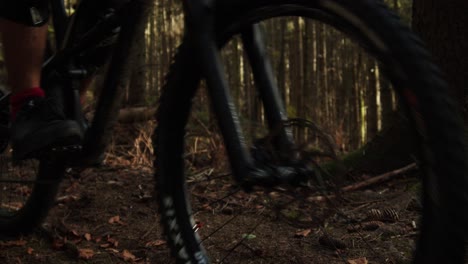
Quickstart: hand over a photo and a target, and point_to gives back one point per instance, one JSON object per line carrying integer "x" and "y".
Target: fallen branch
{"x": 380, "y": 178}
{"x": 130, "y": 114}
{"x": 377, "y": 179}
{"x": 136, "y": 114}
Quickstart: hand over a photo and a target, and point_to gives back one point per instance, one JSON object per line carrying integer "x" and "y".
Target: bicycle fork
{"x": 245, "y": 168}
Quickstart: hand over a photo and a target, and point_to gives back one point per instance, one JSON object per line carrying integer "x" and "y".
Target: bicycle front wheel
{"x": 188, "y": 199}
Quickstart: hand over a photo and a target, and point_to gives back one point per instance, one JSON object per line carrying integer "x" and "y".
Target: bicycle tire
{"x": 443, "y": 232}
{"x": 39, "y": 180}
{"x": 34, "y": 209}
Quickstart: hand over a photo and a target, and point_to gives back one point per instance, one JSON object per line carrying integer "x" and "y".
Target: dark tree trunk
{"x": 443, "y": 26}
{"x": 136, "y": 91}
{"x": 386, "y": 101}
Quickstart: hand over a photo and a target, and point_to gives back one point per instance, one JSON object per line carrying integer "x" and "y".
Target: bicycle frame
{"x": 61, "y": 75}
{"x": 200, "y": 20}
{"x": 200, "y": 35}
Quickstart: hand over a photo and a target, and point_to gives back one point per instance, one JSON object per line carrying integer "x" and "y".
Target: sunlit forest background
{"x": 321, "y": 73}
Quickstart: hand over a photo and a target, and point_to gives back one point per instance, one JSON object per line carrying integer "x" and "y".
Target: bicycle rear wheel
{"x": 422, "y": 93}
{"x": 27, "y": 188}
{"x": 28, "y": 191}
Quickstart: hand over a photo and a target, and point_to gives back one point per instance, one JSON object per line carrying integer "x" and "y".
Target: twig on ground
{"x": 379, "y": 178}
{"x": 366, "y": 183}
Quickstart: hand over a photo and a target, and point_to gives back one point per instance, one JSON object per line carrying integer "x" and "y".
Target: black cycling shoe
{"x": 40, "y": 126}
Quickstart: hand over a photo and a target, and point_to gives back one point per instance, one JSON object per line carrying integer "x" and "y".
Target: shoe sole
{"x": 65, "y": 134}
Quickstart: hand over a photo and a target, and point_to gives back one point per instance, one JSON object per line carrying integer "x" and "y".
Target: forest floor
{"x": 108, "y": 215}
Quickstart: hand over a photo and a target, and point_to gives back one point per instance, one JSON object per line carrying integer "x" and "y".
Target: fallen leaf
{"x": 303, "y": 233}
{"x": 207, "y": 207}
{"x": 113, "y": 250}
{"x": 114, "y": 219}
{"x": 12, "y": 206}
{"x": 57, "y": 244}
{"x": 15, "y": 243}
{"x": 23, "y": 190}
{"x": 358, "y": 261}
{"x": 155, "y": 243}
{"x": 30, "y": 250}
{"x": 67, "y": 199}
{"x": 113, "y": 241}
{"x": 72, "y": 187}
{"x": 75, "y": 233}
{"x": 106, "y": 245}
{"x": 87, "y": 236}
{"x": 248, "y": 236}
{"x": 85, "y": 253}
{"x": 145, "y": 197}
{"x": 115, "y": 183}
{"x": 127, "y": 256}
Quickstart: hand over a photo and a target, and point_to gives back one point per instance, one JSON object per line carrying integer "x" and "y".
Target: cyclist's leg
{"x": 34, "y": 118}
{"x": 23, "y": 26}
{"x": 24, "y": 44}
{"x": 23, "y": 48}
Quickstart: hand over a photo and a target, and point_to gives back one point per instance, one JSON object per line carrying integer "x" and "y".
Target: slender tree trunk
{"x": 386, "y": 101}
{"x": 281, "y": 68}
{"x": 137, "y": 87}
{"x": 371, "y": 122}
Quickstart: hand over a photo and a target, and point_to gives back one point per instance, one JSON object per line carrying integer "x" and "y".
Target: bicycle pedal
{"x": 51, "y": 153}
{"x": 66, "y": 149}
{"x": 60, "y": 152}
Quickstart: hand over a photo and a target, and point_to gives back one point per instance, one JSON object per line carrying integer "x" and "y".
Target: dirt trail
{"x": 108, "y": 215}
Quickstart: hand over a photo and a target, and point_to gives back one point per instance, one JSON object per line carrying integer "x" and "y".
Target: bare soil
{"x": 109, "y": 215}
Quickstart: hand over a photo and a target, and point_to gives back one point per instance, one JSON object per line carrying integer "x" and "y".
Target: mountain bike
{"x": 80, "y": 45}
{"x": 273, "y": 169}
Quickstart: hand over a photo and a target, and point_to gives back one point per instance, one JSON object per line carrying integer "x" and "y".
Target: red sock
{"x": 17, "y": 99}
